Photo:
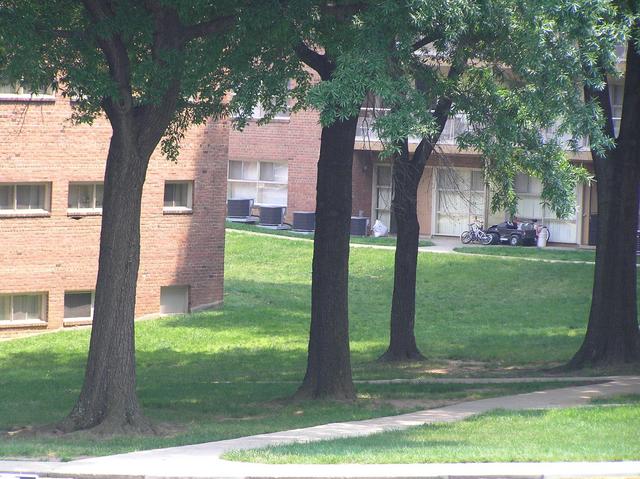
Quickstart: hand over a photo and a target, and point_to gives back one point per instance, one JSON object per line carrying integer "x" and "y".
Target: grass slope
{"x": 368, "y": 240}
{"x": 529, "y": 252}
{"x": 224, "y": 373}
{"x": 576, "y": 434}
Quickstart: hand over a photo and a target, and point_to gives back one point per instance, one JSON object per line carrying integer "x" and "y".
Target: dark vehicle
{"x": 514, "y": 233}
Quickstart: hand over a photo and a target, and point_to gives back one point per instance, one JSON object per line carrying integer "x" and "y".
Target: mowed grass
{"x": 598, "y": 433}
{"x": 225, "y": 373}
{"x": 530, "y": 252}
{"x": 367, "y": 240}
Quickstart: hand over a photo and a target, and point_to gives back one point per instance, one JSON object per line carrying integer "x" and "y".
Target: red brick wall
{"x": 295, "y": 141}
{"x": 362, "y": 184}
{"x": 298, "y": 142}
{"x": 57, "y": 253}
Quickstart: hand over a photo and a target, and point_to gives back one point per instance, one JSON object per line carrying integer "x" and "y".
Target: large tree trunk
{"x": 612, "y": 336}
{"x": 329, "y": 365}
{"x": 108, "y": 402}
{"x": 407, "y": 173}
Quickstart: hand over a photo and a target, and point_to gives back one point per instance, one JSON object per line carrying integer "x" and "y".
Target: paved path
{"x": 203, "y": 460}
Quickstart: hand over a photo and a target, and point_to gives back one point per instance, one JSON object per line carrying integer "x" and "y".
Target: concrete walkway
{"x": 203, "y": 460}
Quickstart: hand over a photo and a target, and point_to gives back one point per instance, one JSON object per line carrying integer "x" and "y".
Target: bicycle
{"x": 475, "y": 235}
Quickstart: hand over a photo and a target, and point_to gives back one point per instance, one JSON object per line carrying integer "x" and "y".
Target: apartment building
{"x": 51, "y": 186}
{"x": 275, "y": 164}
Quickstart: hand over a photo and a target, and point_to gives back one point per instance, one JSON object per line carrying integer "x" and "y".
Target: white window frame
{"x": 32, "y": 211}
{"x": 22, "y": 94}
{"x": 613, "y": 88}
{"x": 259, "y": 184}
{"x": 179, "y": 209}
{"x": 375, "y": 209}
{"x": 79, "y": 320}
{"x": 97, "y": 210}
{"x": 27, "y": 322}
{"x": 436, "y": 211}
{"x": 547, "y": 218}
{"x": 258, "y": 112}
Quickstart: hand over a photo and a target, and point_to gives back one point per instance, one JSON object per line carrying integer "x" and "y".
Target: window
{"x": 23, "y": 308}
{"x": 86, "y": 196}
{"x": 178, "y": 196}
{"x": 174, "y": 299}
{"x": 459, "y": 199}
{"x": 263, "y": 181}
{"x": 24, "y": 198}
{"x": 23, "y": 91}
{"x": 384, "y": 193}
{"x": 78, "y": 305}
{"x": 531, "y": 206}
{"x": 616, "y": 93}
{"x": 259, "y": 111}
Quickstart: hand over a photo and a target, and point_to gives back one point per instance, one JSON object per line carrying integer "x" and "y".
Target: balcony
{"x": 452, "y": 130}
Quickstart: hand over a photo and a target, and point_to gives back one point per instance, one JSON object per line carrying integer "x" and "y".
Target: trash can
{"x": 543, "y": 236}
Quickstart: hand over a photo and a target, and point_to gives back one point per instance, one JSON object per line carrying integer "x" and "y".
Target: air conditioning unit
{"x": 272, "y": 215}
{"x": 304, "y": 220}
{"x": 239, "y": 208}
{"x": 359, "y": 225}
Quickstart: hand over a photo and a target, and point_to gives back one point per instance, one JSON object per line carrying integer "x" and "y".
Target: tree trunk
{"x": 108, "y": 403}
{"x": 328, "y": 364}
{"x": 407, "y": 173}
{"x": 612, "y": 336}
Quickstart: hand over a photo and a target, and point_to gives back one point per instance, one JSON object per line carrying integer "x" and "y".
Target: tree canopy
{"x": 523, "y": 66}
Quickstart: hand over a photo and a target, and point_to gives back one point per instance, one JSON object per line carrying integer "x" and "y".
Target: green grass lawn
{"x": 598, "y": 433}
{"x": 530, "y": 252}
{"x": 368, "y": 240}
{"x": 225, "y": 373}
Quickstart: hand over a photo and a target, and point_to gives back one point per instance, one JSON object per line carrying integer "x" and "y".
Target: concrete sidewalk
{"x": 203, "y": 460}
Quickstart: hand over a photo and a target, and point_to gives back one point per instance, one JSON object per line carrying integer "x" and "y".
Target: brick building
{"x": 452, "y": 192}
{"x": 51, "y": 175}
{"x": 276, "y": 164}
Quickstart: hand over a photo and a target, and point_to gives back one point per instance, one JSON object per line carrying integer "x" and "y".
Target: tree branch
{"x": 425, "y": 41}
{"x": 167, "y": 36}
{"x": 204, "y": 29}
{"x": 340, "y": 12}
{"x": 319, "y": 62}
{"x": 441, "y": 113}
{"x": 114, "y": 50}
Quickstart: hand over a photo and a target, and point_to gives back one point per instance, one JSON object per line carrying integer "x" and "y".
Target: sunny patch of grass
{"x": 530, "y": 252}
{"x": 597, "y": 433}
{"x": 227, "y": 373}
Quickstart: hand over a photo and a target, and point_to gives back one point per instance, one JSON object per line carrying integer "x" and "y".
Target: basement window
{"x": 78, "y": 307}
{"x": 17, "y": 309}
{"x": 85, "y": 198}
{"x": 25, "y": 199}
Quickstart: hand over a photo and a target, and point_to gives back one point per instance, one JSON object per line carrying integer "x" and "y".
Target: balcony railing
{"x": 452, "y": 130}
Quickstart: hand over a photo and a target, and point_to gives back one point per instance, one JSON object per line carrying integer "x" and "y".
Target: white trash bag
{"x": 379, "y": 229}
